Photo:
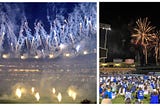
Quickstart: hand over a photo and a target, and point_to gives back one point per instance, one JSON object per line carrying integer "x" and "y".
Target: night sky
{"x": 35, "y": 11}
{"x": 38, "y": 11}
{"x": 122, "y": 17}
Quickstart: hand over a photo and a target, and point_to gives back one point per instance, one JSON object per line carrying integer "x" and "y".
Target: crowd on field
{"x": 130, "y": 86}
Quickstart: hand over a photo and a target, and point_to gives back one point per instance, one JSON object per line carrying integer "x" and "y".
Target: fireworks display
{"x": 73, "y": 30}
{"x": 146, "y": 37}
{"x": 45, "y": 50}
{"x": 143, "y": 35}
{"x": 144, "y": 32}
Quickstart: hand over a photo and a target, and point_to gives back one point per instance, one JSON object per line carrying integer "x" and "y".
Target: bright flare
{"x": 37, "y": 96}
{"x": 51, "y": 56}
{"x": 18, "y": 93}
{"x": 85, "y": 52}
{"x": 32, "y": 89}
{"x": 72, "y": 94}
{"x": 54, "y": 90}
{"x": 23, "y": 57}
{"x": 59, "y": 97}
{"x": 67, "y": 55}
{"x": 62, "y": 46}
{"x": 5, "y": 56}
{"x": 36, "y": 57}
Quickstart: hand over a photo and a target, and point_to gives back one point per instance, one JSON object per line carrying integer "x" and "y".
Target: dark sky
{"x": 129, "y": 11}
{"x": 38, "y": 11}
{"x": 122, "y": 17}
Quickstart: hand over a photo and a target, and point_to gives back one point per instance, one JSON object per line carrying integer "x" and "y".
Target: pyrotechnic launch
{"x": 18, "y": 93}
{"x": 42, "y": 54}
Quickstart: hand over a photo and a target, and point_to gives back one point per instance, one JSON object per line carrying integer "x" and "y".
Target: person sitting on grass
{"x": 154, "y": 97}
{"x": 128, "y": 101}
{"x": 101, "y": 88}
{"x": 106, "y": 100}
{"x": 107, "y": 92}
{"x": 159, "y": 94}
{"x": 128, "y": 94}
{"x": 133, "y": 88}
{"x": 152, "y": 85}
{"x": 137, "y": 102}
{"x": 146, "y": 90}
{"x": 104, "y": 92}
{"x": 121, "y": 91}
{"x": 140, "y": 94}
{"x": 85, "y": 101}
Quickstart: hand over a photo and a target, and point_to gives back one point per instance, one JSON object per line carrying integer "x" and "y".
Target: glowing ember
{"x": 36, "y": 57}
{"x": 54, "y": 90}
{"x": 37, "y": 96}
{"x": 23, "y": 57}
{"x": 32, "y": 89}
{"x": 85, "y": 52}
{"x": 5, "y": 56}
{"x": 67, "y": 54}
{"x": 59, "y": 97}
{"x": 51, "y": 56}
{"x": 18, "y": 93}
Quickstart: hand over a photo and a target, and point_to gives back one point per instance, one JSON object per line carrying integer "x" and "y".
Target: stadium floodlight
{"x": 107, "y": 28}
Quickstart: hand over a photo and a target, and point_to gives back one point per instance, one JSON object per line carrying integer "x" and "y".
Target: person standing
{"x": 128, "y": 94}
{"x": 154, "y": 97}
{"x": 140, "y": 94}
{"x": 109, "y": 93}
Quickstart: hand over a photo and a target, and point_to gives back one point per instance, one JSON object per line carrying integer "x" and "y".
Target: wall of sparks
{"x": 71, "y": 35}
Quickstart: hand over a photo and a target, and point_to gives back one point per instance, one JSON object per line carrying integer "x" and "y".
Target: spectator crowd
{"x": 131, "y": 87}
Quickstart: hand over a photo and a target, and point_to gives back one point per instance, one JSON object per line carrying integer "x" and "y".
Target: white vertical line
{"x": 97, "y": 52}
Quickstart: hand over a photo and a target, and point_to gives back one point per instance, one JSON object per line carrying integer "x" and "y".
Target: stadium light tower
{"x": 107, "y": 28}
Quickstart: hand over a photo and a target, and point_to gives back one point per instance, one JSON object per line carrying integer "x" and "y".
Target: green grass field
{"x": 120, "y": 100}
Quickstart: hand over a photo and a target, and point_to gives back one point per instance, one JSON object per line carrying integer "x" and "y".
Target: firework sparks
{"x": 143, "y": 35}
{"x": 80, "y": 25}
{"x": 144, "y": 32}
{"x": 72, "y": 94}
{"x": 33, "y": 90}
{"x": 37, "y": 96}
{"x": 59, "y": 97}
{"x": 53, "y": 90}
{"x": 18, "y": 93}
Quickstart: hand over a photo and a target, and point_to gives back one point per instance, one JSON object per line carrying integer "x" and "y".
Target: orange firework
{"x": 143, "y": 34}
{"x": 156, "y": 45}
